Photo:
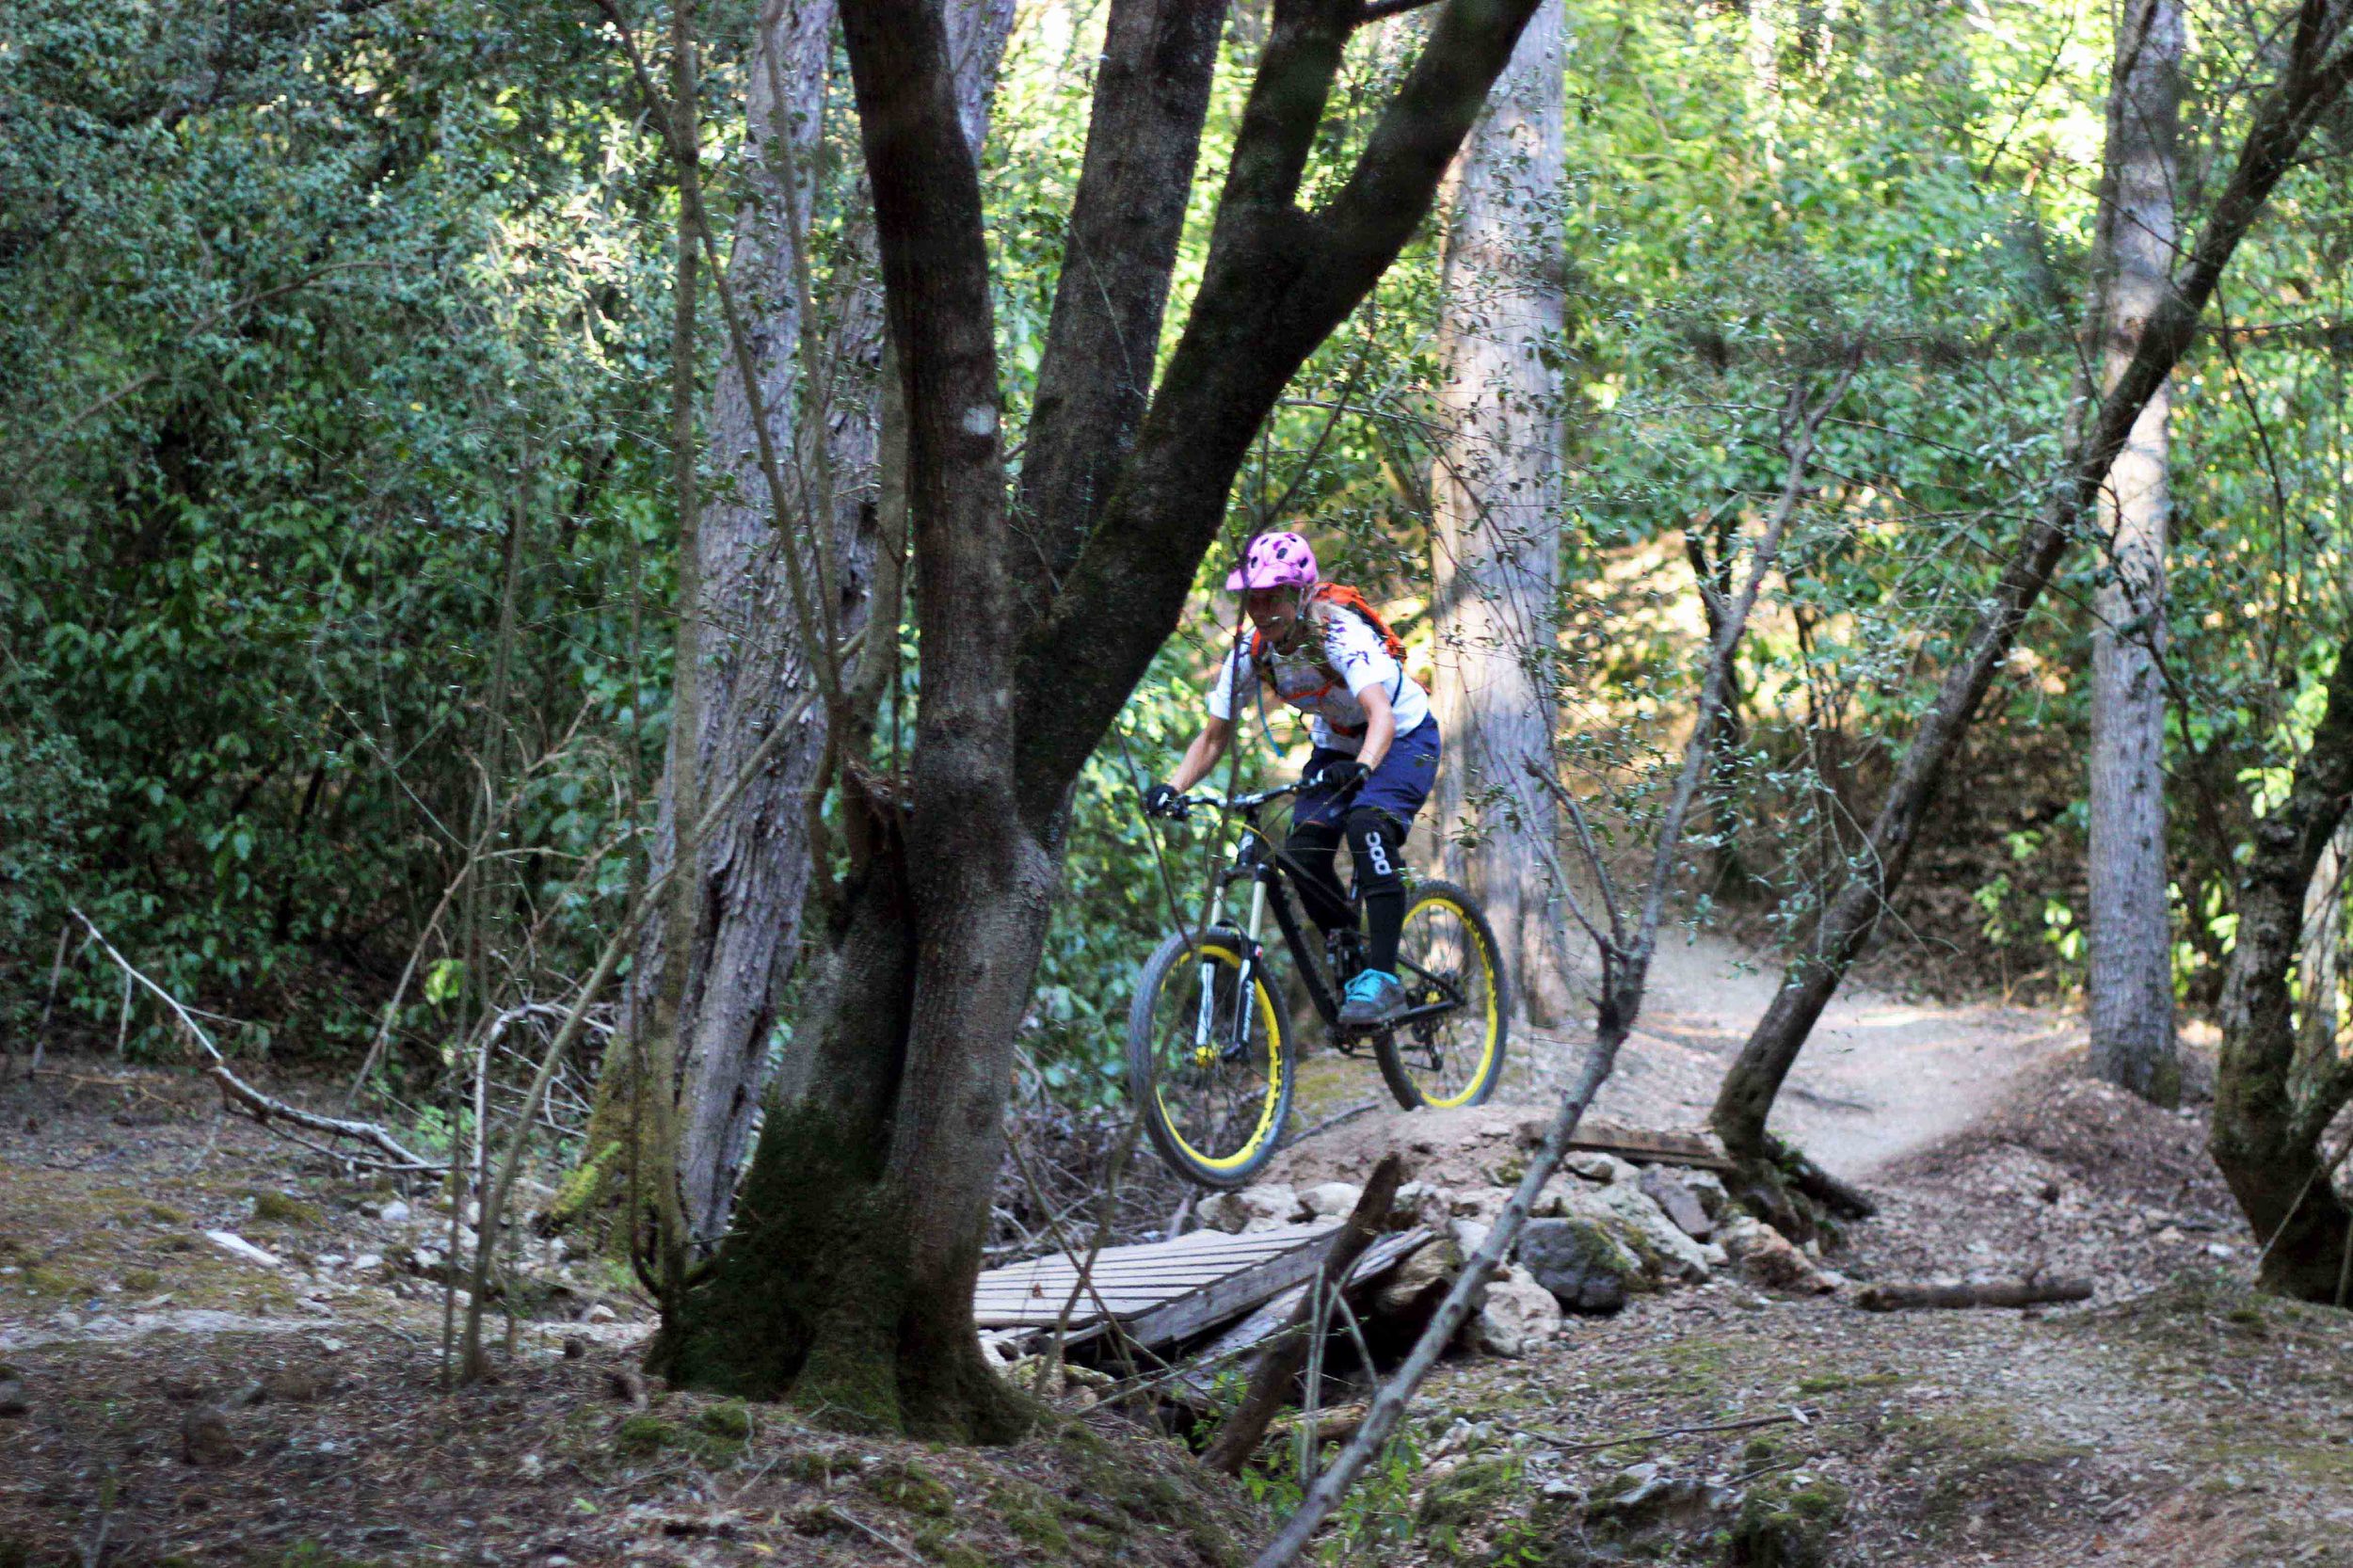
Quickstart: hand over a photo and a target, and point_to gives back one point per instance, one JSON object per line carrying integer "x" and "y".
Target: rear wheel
{"x": 1207, "y": 1067}
{"x": 1452, "y": 1054}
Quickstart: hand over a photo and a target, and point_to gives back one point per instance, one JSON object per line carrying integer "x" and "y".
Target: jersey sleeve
{"x": 1232, "y": 681}
{"x": 1355, "y": 650}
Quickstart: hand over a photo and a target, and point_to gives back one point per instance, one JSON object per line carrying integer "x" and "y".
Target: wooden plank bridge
{"x": 1160, "y": 1292}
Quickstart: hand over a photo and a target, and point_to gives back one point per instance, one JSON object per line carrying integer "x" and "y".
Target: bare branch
{"x": 263, "y": 1108}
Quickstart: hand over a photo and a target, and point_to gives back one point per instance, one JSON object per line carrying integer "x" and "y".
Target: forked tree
{"x": 846, "y": 1280}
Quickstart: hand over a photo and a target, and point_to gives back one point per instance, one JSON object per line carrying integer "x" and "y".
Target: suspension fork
{"x": 1245, "y": 972}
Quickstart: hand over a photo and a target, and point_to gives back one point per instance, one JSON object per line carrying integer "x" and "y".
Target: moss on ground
{"x": 1029, "y": 1511}
{"x": 906, "y": 1484}
{"x": 1470, "y": 1494}
{"x": 276, "y": 1209}
{"x": 1785, "y": 1528}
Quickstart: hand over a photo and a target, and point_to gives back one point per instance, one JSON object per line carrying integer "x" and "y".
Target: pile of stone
{"x": 1602, "y": 1230}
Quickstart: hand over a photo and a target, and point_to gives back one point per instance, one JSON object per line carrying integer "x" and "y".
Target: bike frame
{"x": 1258, "y": 862}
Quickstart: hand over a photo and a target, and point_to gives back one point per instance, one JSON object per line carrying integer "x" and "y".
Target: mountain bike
{"x": 1210, "y": 1054}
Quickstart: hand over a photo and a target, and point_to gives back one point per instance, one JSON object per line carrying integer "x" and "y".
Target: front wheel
{"x": 1208, "y": 1069}
{"x": 1448, "y": 1050}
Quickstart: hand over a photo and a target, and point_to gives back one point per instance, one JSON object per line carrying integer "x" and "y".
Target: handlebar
{"x": 1237, "y": 803}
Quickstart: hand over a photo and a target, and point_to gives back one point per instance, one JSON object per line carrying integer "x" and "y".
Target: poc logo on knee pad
{"x": 1378, "y": 853}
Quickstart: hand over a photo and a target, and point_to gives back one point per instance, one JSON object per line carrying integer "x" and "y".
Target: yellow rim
{"x": 1487, "y": 1002}
{"x": 1268, "y": 1106}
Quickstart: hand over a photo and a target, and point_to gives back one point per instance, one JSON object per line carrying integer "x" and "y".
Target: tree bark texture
{"x": 2321, "y": 966}
{"x": 2312, "y": 81}
{"x": 846, "y": 1280}
{"x": 2130, "y": 973}
{"x": 755, "y": 867}
{"x": 1496, "y": 493}
{"x": 2273, "y": 1103}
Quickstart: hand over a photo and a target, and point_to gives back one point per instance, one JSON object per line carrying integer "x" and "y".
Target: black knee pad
{"x": 1312, "y": 837}
{"x": 1377, "y": 840}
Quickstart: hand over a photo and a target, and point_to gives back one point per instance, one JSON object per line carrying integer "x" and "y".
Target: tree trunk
{"x": 847, "y": 1278}
{"x": 2131, "y": 978}
{"x": 2318, "y": 969}
{"x": 1495, "y": 488}
{"x": 2312, "y": 81}
{"x": 2271, "y": 1106}
{"x": 756, "y": 866}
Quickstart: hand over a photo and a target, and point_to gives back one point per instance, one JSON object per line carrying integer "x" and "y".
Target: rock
{"x": 1709, "y": 1187}
{"x": 1480, "y": 1203}
{"x": 1251, "y": 1210}
{"x": 1517, "y": 1316}
{"x": 1767, "y": 1257}
{"x": 627, "y": 1382}
{"x": 1330, "y": 1200}
{"x": 367, "y": 1262}
{"x": 1409, "y": 1294}
{"x": 1584, "y": 1267}
{"x": 205, "y": 1440}
{"x": 574, "y": 1347}
{"x": 1643, "y": 1498}
{"x": 237, "y": 1246}
{"x": 600, "y": 1313}
{"x": 1468, "y": 1235}
{"x": 1642, "y": 1225}
{"x": 1592, "y": 1166}
{"x": 1561, "y": 1196}
{"x": 395, "y": 1214}
{"x": 1678, "y": 1203}
{"x": 1421, "y": 1203}
{"x": 12, "y": 1400}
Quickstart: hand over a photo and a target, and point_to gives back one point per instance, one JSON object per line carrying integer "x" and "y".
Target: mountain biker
{"x": 1319, "y": 648}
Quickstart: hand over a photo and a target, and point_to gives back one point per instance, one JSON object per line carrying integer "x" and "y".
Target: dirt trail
{"x": 1880, "y": 1079}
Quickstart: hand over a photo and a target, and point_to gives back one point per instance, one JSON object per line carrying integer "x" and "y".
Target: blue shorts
{"x": 1398, "y": 786}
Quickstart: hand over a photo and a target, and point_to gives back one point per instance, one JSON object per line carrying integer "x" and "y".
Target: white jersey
{"x": 1323, "y": 679}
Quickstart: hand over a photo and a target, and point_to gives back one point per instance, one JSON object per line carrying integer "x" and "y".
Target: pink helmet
{"x": 1274, "y": 560}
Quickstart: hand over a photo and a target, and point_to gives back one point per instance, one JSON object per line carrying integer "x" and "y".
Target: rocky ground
{"x": 1701, "y": 1398}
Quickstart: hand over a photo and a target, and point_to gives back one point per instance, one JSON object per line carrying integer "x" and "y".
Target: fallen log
{"x": 1271, "y": 1380}
{"x": 1992, "y": 1292}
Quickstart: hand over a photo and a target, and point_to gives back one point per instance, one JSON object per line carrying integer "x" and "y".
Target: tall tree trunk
{"x": 2313, "y": 80}
{"x": 756, "y": 865}
{"x": 2320, "y": 966}
{"x": 2273, "y": 1103}
{"x": 1496, "y": 489}
{"x": 846, "y": 1279}
{"x": 2131, "y": 978}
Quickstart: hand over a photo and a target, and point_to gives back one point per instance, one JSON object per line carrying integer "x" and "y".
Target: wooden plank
{"x": 1176, "y": 1287}
{"x": 1697, "y": 1149}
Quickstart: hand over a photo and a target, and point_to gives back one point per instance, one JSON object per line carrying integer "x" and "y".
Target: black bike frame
{"x": 1258, "y": 862}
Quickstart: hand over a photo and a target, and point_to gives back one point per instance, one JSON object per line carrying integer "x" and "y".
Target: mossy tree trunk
{"x": 846, "y": 1280}
{"x": 2274, "y": 1099}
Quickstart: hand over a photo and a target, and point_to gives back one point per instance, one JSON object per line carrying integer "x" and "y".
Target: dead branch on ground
{"x": 1992, "y": 1292}
{"x": 262, "y": 1107}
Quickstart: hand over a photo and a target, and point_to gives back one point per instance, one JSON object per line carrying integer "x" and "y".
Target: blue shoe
{"x": 1373, "y": 998}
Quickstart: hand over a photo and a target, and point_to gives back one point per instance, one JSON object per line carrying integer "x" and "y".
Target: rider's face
{"x": 1273, "y": 611}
